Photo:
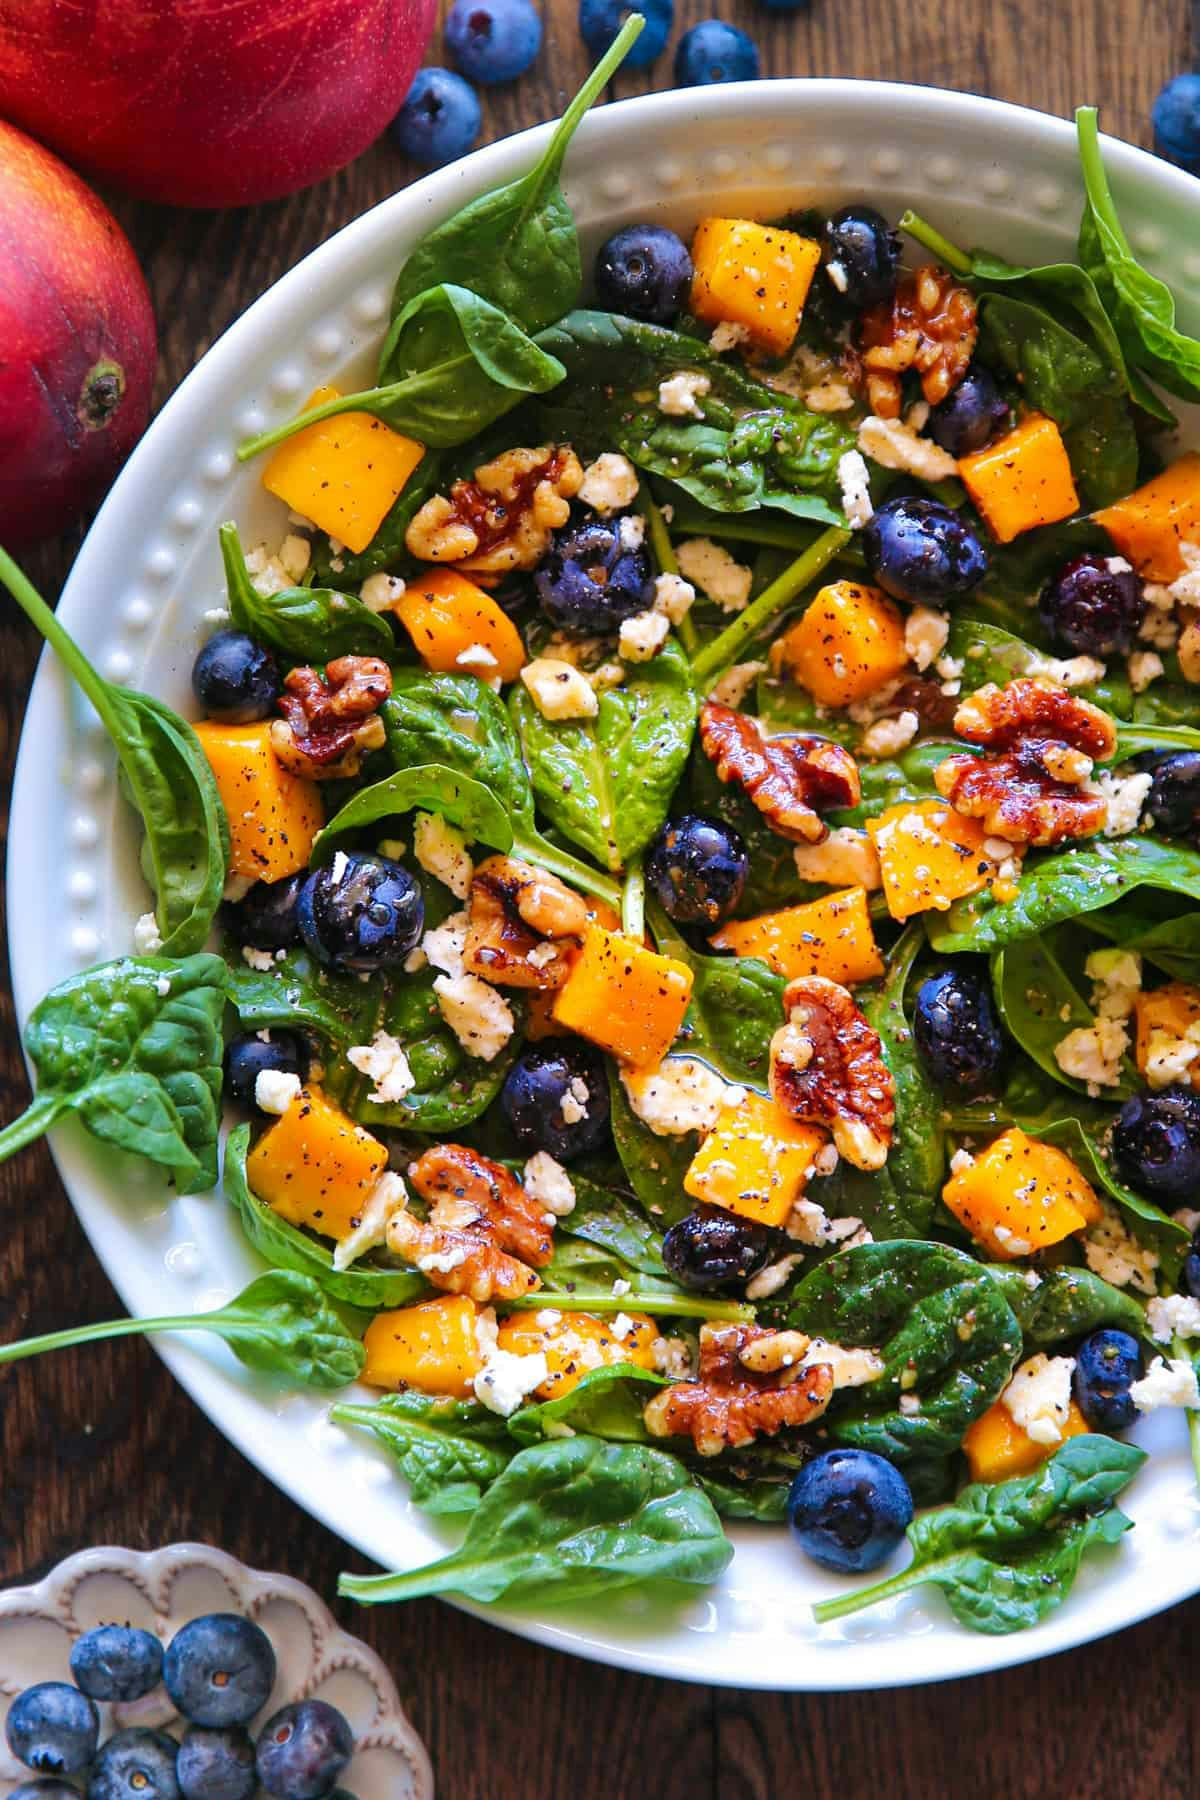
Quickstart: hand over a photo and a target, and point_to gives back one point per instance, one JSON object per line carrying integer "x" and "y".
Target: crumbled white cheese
{"x": 268, "y": 576}
{"x": 643, "y": 636}
{"x": 1145, "y": 667}
{"x": 727, "y": 335}
{"x": 478, "y": 660}
{"x": 925, "y": 634}
{"x": 829, "y": 396}
{"x": 1116, "y": 978}
{"x": 1170, "y": 1059}
{"x": 851, "y": 1367}
{"x": 216, "y": 618}
{"x": 383, "y": 1061}
{"x": 1038, "y": 1397}
{"x": 147, "y": 938}
{"x": 768, "y": 1281}
{"x": 909, "y": 1404}
{"x": 825, "y": 1161}
{"x": 1166, "y": 1383}
{"x": 506, "y": 1380}
{"x": 808, "y": 1223}
{"x": 382, "y": 592}
{"x": 888, "y": 737}
{"x": 673, "y": 597}
{"x": 260, "y": 960}
{"x": 1173, "y": 1315}
{"x": 731, "y": 688}
{"x": 680, "y": 1095}
{"x": 387, "y": 1198}
{"x": 631, "y": 531}
{"x": 672, "y": 1357}
{"x": 546, "y": 1181}
{"x": 679, "y": 395}
{"x": 441, "y": 850}
{"x": 295, "y": 554}
{"x": 609, "y": 484}
{"x": 961, "y": 1160}
{"x": 620, "y": 1326}
{"x": 1160, "y": 627}
{"x": 711, "y": 568}
{"x": 444, "y": 945}
{"x": 894, "y": 445}
{"x": 574, "y": 1103}
{"x": 236, "y": 888}
{"x": 1093, "y": 1053}
{"x": 1126, "y": 795}
{"x": 846, "y": 858}
{"x": 1070, "y": 671}
{"x": 392, "y": 848}
{"x": 480, "y": 1018}
{"x": 558, "y": 690}
{"x": 162, "y": 986}
{"x": 1116, "y": 1256}
{"x": 275, "y": 1089}
{"x": 854, "y": 480}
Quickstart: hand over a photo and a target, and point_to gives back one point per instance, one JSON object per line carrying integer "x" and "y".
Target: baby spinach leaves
{"x": 607, "y": 1403}
{"x": 473, "y": 808}
{"x": 166, "y": 777}
{"x": 281, "y": 1325}
{"x": 304, "y": 624}
{"x": 448, "y": 1451}
{"x": 1065, "y": 1304}
{"x": 295, "y": 994}
{"x": 570, "y": 1519}
{"x": 1005, "y": 1554}
{"x": 1040, "y": 1004}
{"x": 654, "y": 1166}
{"x": 133, "y": 1049}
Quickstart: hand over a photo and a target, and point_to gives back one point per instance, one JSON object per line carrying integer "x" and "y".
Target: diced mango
{"x": 846, "y": 644}
{"x": 929, "y": 856}
{"x": 752, "y": 275}
{"x": 1165, "y": 1015}
{"x": 315, "y": 1166}
{"x": 996, "y": 1448}
{"x": 344, "y": 473}
{"x": 1150, "y": 524}
{"x": 575, "y": 1343}
{"x": 831, "y": 936}
{"x": 431, "y": 1347}
{"x": 754, "y": 1161}
{"x": 1022, "y": 480}
{"x": 274, "y": 816}
{"x": 448, "y": 617}
{"x": 1020, "y": 1195}
{"x": 627, "y": 999}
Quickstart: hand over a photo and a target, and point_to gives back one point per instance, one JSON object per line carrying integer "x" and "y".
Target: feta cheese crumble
{"x": 680, "y": 1095}
{"x": 382, "y": 592}
{"x": 383, "y": 1062}
{"x": 768, "y": 1281}
{"x": 727, "y": 335}
{"x": 546, "y": 1181}
{"x": 260, "y": 960}
{"x": 441, "y": 850}
{"x": 274, "y": 1090}
{"x": 559, "y": 690}
{"x": 1038, "y": 1397}
{"x": 854, "y": 480}
{"x": 925, "y": 635}
{"x": 1125, "y": 796}
{"x": 1173, "y": 1315}
{"x": 715, "y": 572}
{"x": 610, "y": 483}
{"x": 387, "y": 1198}
{"x": 1093, "y": 1053}
{"x": 444, "y": 945}
{"x": 1166, "y": 1383}
{"x": 673, "y": 597}
{"x": 893, "y": 444}
{"x": 731, "y": 688}
{"x": 846, "y": 858}
{"x": 1111, "y": 1252}
{"x": 643, "y": 636}
{"x": 850, "y": 1367}
{"x": 147, "y": 938}
{"x": 888, "y": 737}
{"x": 679, "y": 395}
{"x": 480, "y": 1018}
{"x": 506, "y": 1380}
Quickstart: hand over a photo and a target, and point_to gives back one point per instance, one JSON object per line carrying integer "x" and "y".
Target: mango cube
{"x": 627, "y": 999}
{"x": 756, "y": 276}
{"x": 1022, "y": 480}
{"x": 431, "y": 1347}
{"x": 1149, "y": 525}
{"x": 315, "y": 1167}
{"x": 996, "y": 1447}
{"x": 274, "y": 816}
{"x": 831, "y": 936}
{"x": 846, "y": 644}
{"x": 575, "y": 1343}
{"x": 755, "y": 1161}
{"x": 1167, "y": 1047}
{"x": 344, "y": 473}
{"x": 929, "y": 856}
{"x": 450, "y": 621}
{"x": 1019, "y": 1195}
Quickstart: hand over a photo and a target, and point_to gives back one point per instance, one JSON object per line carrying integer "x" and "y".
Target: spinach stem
{"x": 1099, "y": 194}
{"x": 942, "y": 248}
{"x": 568, "y": 868}
{"x": 633, "y": 901}
{"x": 668, "y": 564}
{"x": 843, "y": 1604}
{"x": 725, "y": 650}
{"x": 59, "y": 639}
{"x": 370, "y": 1590}
{"x": 588, "y": 94}
{"x": 372, "y": 400}
{"x": 32, "y": 1124}
{"x": 111, "y": 1328}
{"x": 603, "y": 1300}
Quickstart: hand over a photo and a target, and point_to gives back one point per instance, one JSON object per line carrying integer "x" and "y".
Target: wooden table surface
{"x": 102, "y": 1447}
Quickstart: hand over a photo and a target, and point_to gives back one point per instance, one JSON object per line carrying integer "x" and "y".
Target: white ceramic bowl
{"x": 984, "y": 173}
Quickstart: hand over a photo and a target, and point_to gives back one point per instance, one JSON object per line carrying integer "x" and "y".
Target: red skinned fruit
{"x": 212, "y": 102}
{"x": 77, "y": 344}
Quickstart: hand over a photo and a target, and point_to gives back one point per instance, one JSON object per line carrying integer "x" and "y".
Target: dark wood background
{"x": 104, "y": 1448}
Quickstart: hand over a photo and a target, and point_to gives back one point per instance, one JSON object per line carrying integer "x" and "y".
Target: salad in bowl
{"x": 681, "y": 873}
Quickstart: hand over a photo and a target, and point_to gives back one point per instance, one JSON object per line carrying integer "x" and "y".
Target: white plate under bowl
{"x": 985, "y": 173}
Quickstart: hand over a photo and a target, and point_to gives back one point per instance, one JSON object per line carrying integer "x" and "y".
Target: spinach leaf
{"x": 296, "y": 994}
{"x": 1005, "y": 1554}
{"x": 991, "y": 653}
{"x": 387, "y": 549}
{"x": 613, "y": 1225}
{"x": 448, "y": 1451}
{"x": 1172, "y": 944}
{"x": 465, "y": 803}
{"x": 285, "y": 1246}
{"x": 165, "y": 776}
{"x": 281, "y": 1325}
{"x": 570, "y": 1519}
{"x": 517, "y": 246}
{"x": 735, "y": 1009}
{"x": 133, "y": 1049}
{"x": 606, "y": 783}
{"x": 305, "y": 624}
{"x": 1040, "y": 1004}
{"x": 942, "y": 1326}
{"x": 583, "y": 1274}
{"x": 1065, "y": 1304}
{"x": 607, "y": 1403}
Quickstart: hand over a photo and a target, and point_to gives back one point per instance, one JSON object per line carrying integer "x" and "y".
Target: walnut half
{"x": 791, "y": 780}
{"x": 745, "y": 1387}
{"x": 525, "y": 925}
{"x": 331, "y": 721}
{"x": 504, "y": 517}
{"x": 827, "y": 1068}
{"x": 930, "y": 325}
{"x": 484, "y": 1236}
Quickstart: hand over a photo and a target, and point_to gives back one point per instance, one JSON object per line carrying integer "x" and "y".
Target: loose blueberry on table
{"x": 493, "y": 40}
{"x": 714, "y": 52}
{"x": 440, "y": 119}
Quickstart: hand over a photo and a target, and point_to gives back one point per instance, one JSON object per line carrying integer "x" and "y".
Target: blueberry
{"x": 265, "y": 918}
{"x": 714, "y": 52}
{"x": 440, "y": 119}
{"x": 493, "y": 40}
{"x": 217, "y": 1764}
{"x": 219, "y": 1669}
{"x": 849, "y": 1509}
{"x": 711, "y": 1248}
{"x": 921, "y": 551}
{"x": 543, "y": 1079}
{"x": 235, "y": 680}
{"x": 116, "y": 1662}
{"x": 600, "y": 21}
{"x": 591, "y": 579}
{"x": 361, "y": 913}
{"x": 644, "y": 271}
{"x": 697, "y": 868}
{"x": 1191, "y": 1269}
{"x": 1173, "y": 803}
{"x": 1176, "y": 120}
{"x": 136, "y": 1765}
{"x": 970, "y": 415}
{"x": 862, "y": 254}
{"x": 957, "y": 1032}
{"x": 249, "y": 1056}
{"x": 303, "y": 1750}
{"x": 45, "y": 1790}
{"x": 1156, "y": 1144}
{"x": 1106, "y": 1366}
{"x": 53, "y": 1728}
{"x": 1090, "y": 609}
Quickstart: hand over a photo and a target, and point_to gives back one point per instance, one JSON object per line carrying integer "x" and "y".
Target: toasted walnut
{"x": 459, "y": 1262}
{"x": 729, "y": 1404}
{"x": 930, "y": 325}
{"x": 791, "y": 780}
{"x": 1033, "y": 707}
{"x": 524, "y": 925}
{"x": 452, "y": 1178}
{"x": 503, "y": 519}
{"x": 827, "y": 1068}
{"x": 330, "y": 721}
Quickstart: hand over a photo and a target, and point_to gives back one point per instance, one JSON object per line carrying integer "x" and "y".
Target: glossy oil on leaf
{"x": 448, "y": 1451}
